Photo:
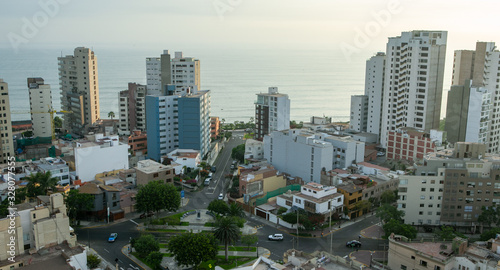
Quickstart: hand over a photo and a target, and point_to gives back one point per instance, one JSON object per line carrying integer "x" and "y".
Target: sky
{"x": 248, "y": 23}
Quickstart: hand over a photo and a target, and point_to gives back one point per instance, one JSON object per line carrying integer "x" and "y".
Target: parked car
{"x": 275, "y": 237}
{"x": 207, "y": 181}
{"x": 353, "y": 243}
{"x": 144, "y": 215}
{"x": 213, "y": 169}
{"x": 380, "y": 154}
{"x": 112, "y": 237}
{"x": 221, "y": 196}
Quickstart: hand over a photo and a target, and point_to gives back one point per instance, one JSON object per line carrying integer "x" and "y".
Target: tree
{"x": 388, "y": 212}
{"x": 447, "y": 233}
{"x": 290, "y": 218}
{"x": 40, "y": 183}
{"x": 487, "y": 235}
{"x": 154, "y": 259}
{"x": 157, "y": 196}
{"x": 227, "y": 232}
{"x": 388, "y": 197}
{"x": 77, "y": 202}
{"x": 397, "y": 227}
{"x": 249, "y": 240}
{"x": 146, "y": 244}
{"x": 193, "y": 248}
{"x": 489, "y": 215}
{"x": 362, "y": 205}
{"x": 111, "y": 115}
{"x": 93, "y": 261}
{"x": 235, "y": 210}
{"x": 238, "y": 153}
{"x": 218, "y": 206}
{"x": 57, "y": 122}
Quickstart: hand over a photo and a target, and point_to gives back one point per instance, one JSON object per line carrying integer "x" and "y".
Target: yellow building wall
{"x": 11, "y": 228}
{"x": 273, "y": 183}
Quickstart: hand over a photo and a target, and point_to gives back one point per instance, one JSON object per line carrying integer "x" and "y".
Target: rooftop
{"x": 151, "y": 166}
{"x": 320, "y": 200}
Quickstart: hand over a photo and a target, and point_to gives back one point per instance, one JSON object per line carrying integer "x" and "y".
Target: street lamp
{"x": 331, "y": 234}
{"x": 371, "y": 258}
{"x": 257, "y": 249}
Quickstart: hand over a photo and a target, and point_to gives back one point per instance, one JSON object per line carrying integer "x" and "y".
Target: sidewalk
{"x": 169, "y": 262}
{"x": 317, "y": 233}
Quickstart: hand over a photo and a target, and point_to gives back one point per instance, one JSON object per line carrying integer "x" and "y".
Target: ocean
{"x": 318, "y": 82}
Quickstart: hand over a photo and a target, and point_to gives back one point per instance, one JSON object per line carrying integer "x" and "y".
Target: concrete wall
{"x": 96, "y": 159}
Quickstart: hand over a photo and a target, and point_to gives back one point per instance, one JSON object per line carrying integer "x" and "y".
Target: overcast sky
{"x": 291, "y": 23}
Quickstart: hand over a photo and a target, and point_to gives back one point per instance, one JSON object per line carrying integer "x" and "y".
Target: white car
{"x": 380, "y": 154}
{"x": 275, "y": 237}
{"x": 221, "y": 196}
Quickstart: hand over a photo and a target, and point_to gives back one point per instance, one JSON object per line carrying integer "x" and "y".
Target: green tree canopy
{"x": 219, "y": 207}
{"x": 235, "y": 210}
{"x": 40, "y": 183}
{"x": 57, "y": 122}
{"x": 226, "y": 231}
{"x": 238, "y": 153}
{"x": 447, "y": 233}
{"x": 111, "y": 115}
{"x": 487, "y": 235}
{"x": 154, "y": 259}
{"x": 388, "y": 197}
{"x": 193, "y": 248}
{"x": 489, "y": 215}
{"x": 77, "y": 202}
{"x": 396, "y": 227}
{"x": 157, "y": 196}
{"x": 249, "y": 240}
{"x": 93, "y": 261}
{"x": 388, "y": 212}
{"x": 146, "y": 244}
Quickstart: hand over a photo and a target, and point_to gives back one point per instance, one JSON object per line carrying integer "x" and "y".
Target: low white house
{"x": 101, "y": 155}
{"x": 184, "y": 157}
{"x": 254, "y": 149}
{"x": 314, "y": 198}
{"x": 372, "y": 169}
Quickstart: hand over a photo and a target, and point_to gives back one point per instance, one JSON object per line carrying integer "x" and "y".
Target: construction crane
{"x": 50, "y": 111}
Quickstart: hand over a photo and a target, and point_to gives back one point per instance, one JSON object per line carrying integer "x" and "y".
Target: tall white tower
{"x": 40, "y": 104}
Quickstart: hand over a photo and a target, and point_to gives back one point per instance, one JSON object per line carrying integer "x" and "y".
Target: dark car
{"x": 213, "y": 169}
{"x": 353, "y": 243}
{"x": 144, "y": 215}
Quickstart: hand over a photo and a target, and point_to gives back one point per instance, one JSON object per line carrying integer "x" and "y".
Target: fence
{"x": 274, "y": 193}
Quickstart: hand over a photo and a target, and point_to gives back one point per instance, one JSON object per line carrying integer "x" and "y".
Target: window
{"x": 422, "y": 197}
{"x": 423, "y": 263}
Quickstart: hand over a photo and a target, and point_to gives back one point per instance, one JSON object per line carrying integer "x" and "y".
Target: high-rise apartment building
{"x": 366, "y": 110}
{"x": 194, "y": 121}
{"x": 164, "y": 70}
{"x": 7, "y": 144}
{"x": 79, "y": 90}
{"x": 482, "y": 67}
{"x": 272, "y": 112}
{"x": 468, "y": 113}
{"x": 40, "y": 104}
{"x": 413, "y": 81}
{"x": 132, "y": 109}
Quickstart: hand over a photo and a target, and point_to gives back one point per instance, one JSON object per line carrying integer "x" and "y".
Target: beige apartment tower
{"x": 79, "y": 90}
{"x": 7, "y": 145}
{"x": 40, "y": 104}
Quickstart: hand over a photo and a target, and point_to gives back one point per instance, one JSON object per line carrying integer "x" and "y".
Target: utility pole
{"x": 331, "y": 233}
{"x": 297, "y": 229}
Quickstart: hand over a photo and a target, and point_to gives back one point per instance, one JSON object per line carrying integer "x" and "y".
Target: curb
{"x": 138, "y": 263}
{"x": 362, "y": 233}
{"x": 354, "y": 259}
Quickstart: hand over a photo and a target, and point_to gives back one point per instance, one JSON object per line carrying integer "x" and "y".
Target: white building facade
{"x": 413, "y": 81}
{"x": 315, "y": 198}
{"x": 272, "y": 112}
{"x": 40, "y": 104}
{"x": 359, "y": 113}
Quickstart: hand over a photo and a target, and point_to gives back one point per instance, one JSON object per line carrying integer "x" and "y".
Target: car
{"x": 207, "y": 181}
{"x": 275, "y": 237}
{"x": 144, "y": 215}
{"x": 221, "y": 196}
{"x": 112, "y": 237}
{"x": 380, "y": 154}
{"x": 213, "y": 169}
{"x": 353, "y": 243}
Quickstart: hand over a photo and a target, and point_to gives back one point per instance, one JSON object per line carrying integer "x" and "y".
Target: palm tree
{"x": 235, "y": 210}
{"x": 226, "y": 231}
{"x": 111, "y": 115}
{"x": 40, "y": 183}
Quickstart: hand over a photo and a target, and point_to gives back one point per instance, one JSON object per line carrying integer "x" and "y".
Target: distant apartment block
{"x": 254, "y": 149}
{"x": 451, "y": 187}
{"x": 481, "y": 66}
{"x": 132, "y": 109}
{"x": 7, "y": 143}
{"x": 40, "y": 104}
{"x": 214, "y": 127}
{"x": 272, "y": 112}
{"x": 292, "y": 151}
{"x": 149, "y": 170}
{"x": 138, "y": 143}
{"x": 181, "y": 71}
{"x": 412, "y": 144}
{"x": 194, "y": 121}
{"x": 359, "y": 113}
{"x": 56, "y": 166}
{"x": 468, "y": 113}
{"x": 79, "y": 90}
{"x": 98, "y": 154}
{"x": 413, "y": 81}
